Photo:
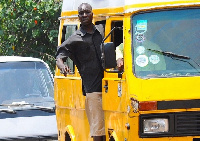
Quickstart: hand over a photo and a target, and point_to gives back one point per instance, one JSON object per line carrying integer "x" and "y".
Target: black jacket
{"x": 84, "y": 49}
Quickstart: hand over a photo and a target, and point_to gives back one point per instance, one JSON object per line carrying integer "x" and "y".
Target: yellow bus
{"x": 157, "y": 95}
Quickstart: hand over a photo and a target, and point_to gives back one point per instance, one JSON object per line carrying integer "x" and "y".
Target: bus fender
{"x": 70, "y": 130}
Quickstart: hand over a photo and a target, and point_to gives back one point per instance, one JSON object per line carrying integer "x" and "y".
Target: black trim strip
{"x": 178, "y": 104}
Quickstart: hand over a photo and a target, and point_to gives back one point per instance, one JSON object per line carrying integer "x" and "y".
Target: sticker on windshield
{"x": 140, "y": 29}
{"x": 140, "y": 37}
{"x": 141, "y": 26}
{"x": 140, "y": 49}
{"x": 154, "y": 59}
{"x": 142, "y": 60}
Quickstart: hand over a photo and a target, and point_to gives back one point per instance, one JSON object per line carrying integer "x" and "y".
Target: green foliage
{"x": 30, "y": 28}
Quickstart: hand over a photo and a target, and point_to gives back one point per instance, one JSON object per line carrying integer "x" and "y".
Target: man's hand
{"x": 120, "y": 64}
{"x": 64, "y": 69}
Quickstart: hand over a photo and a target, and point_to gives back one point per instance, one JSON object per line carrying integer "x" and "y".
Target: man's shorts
{"x": 95, "y": 114}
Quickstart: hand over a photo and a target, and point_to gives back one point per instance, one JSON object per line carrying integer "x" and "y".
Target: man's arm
{"x": 119, "y": 57}
{"x": 61, "y": 56}
{"x": 120, "y": 64}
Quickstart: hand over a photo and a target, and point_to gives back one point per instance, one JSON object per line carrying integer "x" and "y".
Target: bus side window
{"x": 103, "y": 22}
{"x": 67, "y": 31}
{"x": 117, "y": 35}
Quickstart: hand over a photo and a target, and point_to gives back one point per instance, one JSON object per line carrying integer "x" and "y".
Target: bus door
{"x": 114, "y": 97}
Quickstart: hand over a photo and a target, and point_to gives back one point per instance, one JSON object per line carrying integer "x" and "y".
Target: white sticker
{"x": 154, "y": 59}
{"x": 142, "y": 60}
{"x": 140, "y": 49}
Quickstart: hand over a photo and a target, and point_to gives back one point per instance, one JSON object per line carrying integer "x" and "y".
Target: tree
{"x": 30, "y": 28}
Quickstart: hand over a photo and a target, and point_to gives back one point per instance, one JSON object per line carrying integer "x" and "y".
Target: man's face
{"x": 85, "y": 15}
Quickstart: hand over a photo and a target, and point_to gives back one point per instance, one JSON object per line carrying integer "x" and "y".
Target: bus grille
{"x": 187, "y": 123}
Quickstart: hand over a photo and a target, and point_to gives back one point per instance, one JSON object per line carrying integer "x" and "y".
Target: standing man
{"x": 83, "y": 47}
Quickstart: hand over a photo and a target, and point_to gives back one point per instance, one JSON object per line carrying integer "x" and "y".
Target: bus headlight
{"x": 155, "y": 125}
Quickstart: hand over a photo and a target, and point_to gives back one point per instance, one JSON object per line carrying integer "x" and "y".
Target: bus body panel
{"x": 126, "y": 97}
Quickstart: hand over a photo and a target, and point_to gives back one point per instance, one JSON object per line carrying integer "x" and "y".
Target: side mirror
{"x": 109, "y": 58}
{"x": 108, "y": 54}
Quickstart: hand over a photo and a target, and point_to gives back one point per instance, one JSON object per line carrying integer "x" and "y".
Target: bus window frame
{"x": 68, "y": 61}
{"x": 109, "y": 26}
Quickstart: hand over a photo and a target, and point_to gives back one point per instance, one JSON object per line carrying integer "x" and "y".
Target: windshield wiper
{"x": 23, "y": 103}
{"x": 170, "y": 54}
{"x": 10, "y": 111}
{"x": 43, "y": 108}
{"x": 177, "y": 57}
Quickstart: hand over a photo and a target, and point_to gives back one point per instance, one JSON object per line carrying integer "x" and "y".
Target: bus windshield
{"x": 166, "y": 43}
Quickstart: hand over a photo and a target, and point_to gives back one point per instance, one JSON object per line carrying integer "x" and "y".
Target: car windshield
{"x": 166, "y": 43}
{"x": 22, "y": 81}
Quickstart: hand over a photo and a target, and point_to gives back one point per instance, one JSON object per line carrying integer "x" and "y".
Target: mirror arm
{"x": 109, "y": 34}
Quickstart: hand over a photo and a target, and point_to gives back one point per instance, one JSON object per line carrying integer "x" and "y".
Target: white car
{"x": 27, "y": 109}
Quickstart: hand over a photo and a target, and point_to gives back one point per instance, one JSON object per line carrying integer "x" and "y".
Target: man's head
{"x": 85, "y": 14}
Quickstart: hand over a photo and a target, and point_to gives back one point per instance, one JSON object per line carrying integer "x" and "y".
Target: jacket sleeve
{"x": 64, "y": 51}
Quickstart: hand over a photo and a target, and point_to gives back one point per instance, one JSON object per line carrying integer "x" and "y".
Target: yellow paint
{"x": 165, "y": 3}
{"x": 115, "y": 136}
{"x": 70, "y": 102}
{"x": 70, "y": 131}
